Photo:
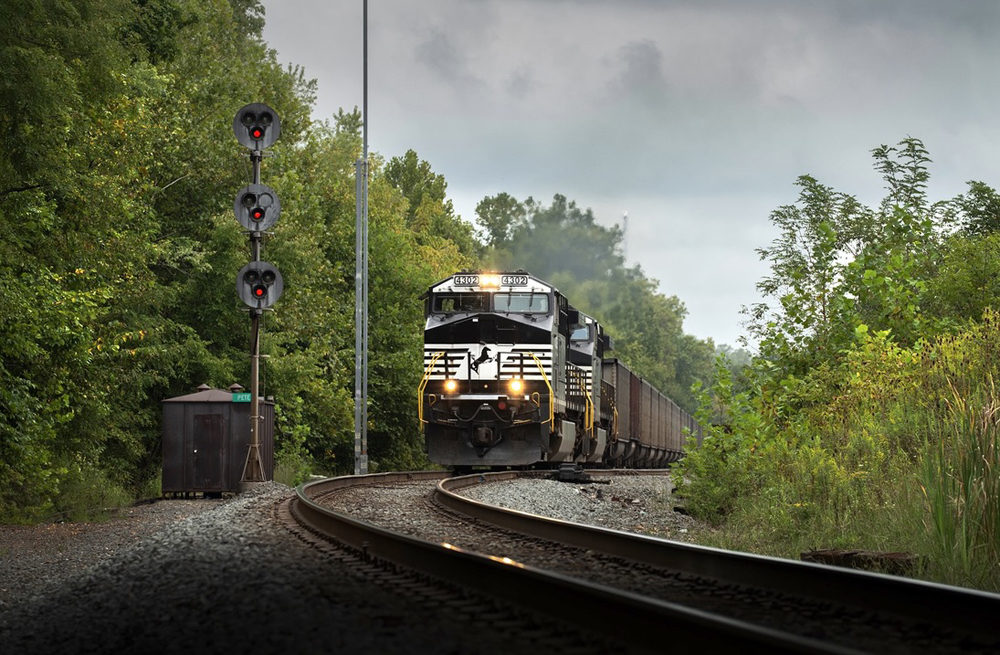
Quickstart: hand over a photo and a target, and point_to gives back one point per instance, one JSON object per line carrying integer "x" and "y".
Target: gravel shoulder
{"x": 36, "y": 558}
{"x": 193, "y": 578}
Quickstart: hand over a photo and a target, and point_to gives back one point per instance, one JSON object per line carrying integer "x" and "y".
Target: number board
{"x": 514, "y": 280}
{"x": 505, "y": 280}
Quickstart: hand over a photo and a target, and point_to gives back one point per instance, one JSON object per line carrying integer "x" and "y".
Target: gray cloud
{"x": 521, "y": 83}
{"x": 447, "y": 63}
{"x": 641, "y": 72}
{"x": 696, "y": 118}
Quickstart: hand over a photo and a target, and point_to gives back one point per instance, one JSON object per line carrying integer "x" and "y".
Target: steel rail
{"x": 971, "y": 610}
{"x": 639, "y": 623}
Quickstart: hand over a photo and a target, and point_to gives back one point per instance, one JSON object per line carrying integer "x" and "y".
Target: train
{"x": 515, "y": 376}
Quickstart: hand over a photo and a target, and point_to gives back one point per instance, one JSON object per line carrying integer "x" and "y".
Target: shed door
{"x": 208, "y": 443}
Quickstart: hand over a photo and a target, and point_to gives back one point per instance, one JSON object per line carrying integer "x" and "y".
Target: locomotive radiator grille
{"x": 447, "y": 364}
{"x": 514, "y": 362}
{"x": 519, "y": 363}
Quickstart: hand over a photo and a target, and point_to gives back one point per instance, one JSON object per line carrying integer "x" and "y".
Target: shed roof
{"x": 206, "y": 394}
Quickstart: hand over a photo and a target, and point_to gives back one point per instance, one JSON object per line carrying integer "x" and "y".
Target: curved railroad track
{"x": 638, "y": 592}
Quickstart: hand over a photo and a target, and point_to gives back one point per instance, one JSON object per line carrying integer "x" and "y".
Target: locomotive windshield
{"x": 521, "y": 302}
{"x": 581, "y": 333}
{"x": 452, "y": 303}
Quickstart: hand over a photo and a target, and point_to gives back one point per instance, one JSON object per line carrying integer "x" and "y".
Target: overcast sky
{"x": 694, "y": 117}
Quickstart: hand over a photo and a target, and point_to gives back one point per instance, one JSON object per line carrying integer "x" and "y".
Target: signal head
{"x": 259, "y": 284}
{"x": 257, "y": 207}
{"x": 256, "y": 126}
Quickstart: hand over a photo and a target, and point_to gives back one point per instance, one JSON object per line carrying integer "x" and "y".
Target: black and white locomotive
{"x": 515, "y": 376}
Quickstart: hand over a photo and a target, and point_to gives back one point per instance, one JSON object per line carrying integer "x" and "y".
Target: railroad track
{"x": 731, "y": 601}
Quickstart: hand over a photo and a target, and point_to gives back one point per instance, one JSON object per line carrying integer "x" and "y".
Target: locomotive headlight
{"x": 450, "y": 385}
{"x": 516, "y": 385}
{"x": 489, "y": 280}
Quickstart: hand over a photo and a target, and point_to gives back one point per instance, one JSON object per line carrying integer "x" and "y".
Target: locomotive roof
{"x": 481, "y": 280}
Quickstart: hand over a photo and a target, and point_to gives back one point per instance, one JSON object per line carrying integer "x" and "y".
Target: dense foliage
{"x": 564, "y": 245}
{"x": 119, "y": 171}
{"x": 870, "y": 417}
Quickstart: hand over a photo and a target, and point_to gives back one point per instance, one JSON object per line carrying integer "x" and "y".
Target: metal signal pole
{"x": 253, "y": 468}
{"x": 361, "y": 279}
{"x": 258, "y": 284}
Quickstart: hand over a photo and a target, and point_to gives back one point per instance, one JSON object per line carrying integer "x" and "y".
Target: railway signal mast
{"x": 259, "y": 284}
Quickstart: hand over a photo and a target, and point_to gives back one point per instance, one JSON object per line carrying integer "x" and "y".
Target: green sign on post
{"x": 241, "y": 397}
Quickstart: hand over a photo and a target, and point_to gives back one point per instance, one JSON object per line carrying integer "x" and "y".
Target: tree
{"x": 967, "y": 281}
{"x": 979, "y": 209}
{"x": 429, "y": 212}
{"x": 499, "y": 217}
{"x": 119, "y": 166}
{"x": 806, "y": 274}
{"x": 838, "y": 265}
{"x": 566, "y": 246}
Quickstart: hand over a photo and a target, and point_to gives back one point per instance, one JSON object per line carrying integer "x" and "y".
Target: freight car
{"x": 516, "y": 376}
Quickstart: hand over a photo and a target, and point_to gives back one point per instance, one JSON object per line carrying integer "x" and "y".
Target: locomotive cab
{"x": 587, "y": 346}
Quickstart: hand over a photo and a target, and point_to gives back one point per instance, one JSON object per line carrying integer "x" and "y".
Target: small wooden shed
{"x": 206, "y": 437}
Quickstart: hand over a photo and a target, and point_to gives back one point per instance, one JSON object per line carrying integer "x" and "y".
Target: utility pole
{"x": 361, "y": 278}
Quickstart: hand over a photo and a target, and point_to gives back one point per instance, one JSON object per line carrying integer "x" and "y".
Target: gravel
{"x": 632, "y": 503}
{"x": 228, "y": 577}
{"x": 219, "y": 576}
{"x": 37, "y": 559}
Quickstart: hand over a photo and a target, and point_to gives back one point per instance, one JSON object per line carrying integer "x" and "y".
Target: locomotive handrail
{"x": 552, "y": 405}
{"x": 423, "y": 385}
{"x": 588, "y": 414}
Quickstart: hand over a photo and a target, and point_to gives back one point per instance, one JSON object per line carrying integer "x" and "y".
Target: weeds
{"x": 898, "y": 450}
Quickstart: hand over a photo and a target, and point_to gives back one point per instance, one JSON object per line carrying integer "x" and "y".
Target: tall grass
{"x": 961, "y": 482}
{"x": 897, "y": 449}
{"x": 88, "y": 494}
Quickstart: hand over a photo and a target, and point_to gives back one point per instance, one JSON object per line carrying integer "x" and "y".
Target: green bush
{"x": 87, "y": 494}
{"x": 895, "y": 450}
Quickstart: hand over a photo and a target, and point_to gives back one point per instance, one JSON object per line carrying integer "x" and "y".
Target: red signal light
{"x": 259, "y": 284}
{"x": 257, "y": 207}
{"x": 256, "y": 126}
